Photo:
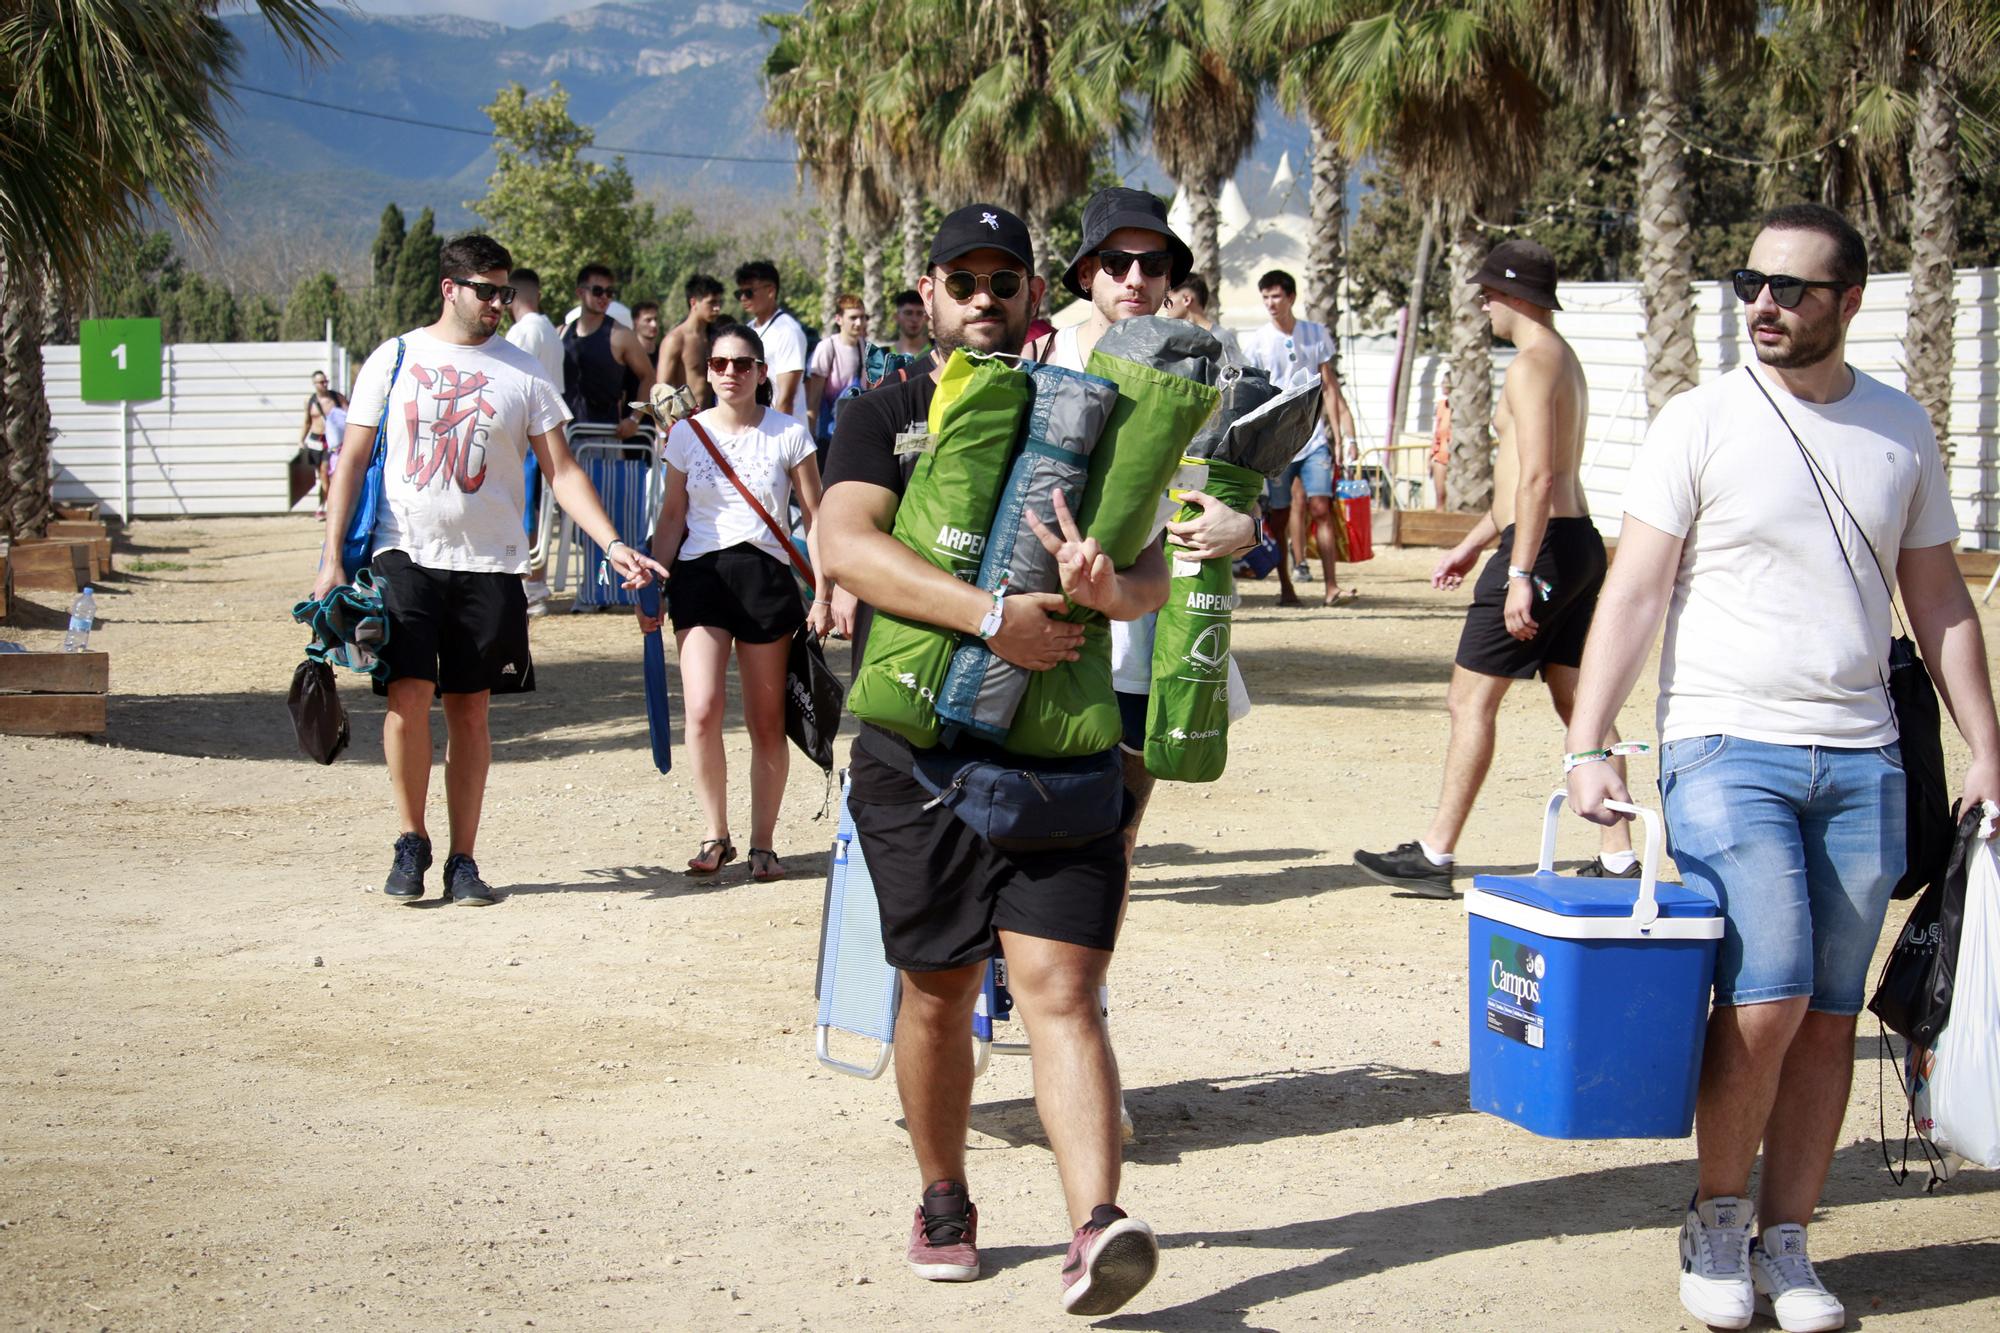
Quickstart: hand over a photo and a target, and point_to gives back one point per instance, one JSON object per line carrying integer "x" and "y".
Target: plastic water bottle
{"x": 82, "y": 615}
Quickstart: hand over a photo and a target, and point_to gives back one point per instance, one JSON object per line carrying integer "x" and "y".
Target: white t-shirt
{"x": 717, "y": 515}
{"x": 536, "y": 336}
{"x": 452, "y": 497}
{"x": 1291, "y": 359}
{"x": 784, "y": 341}
{"x": 1767, "y": 637}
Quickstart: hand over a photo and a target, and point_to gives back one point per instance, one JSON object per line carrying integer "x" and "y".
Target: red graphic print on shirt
{"x": 454, "y": 443}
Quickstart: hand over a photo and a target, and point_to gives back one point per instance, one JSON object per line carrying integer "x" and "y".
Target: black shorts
{"x": 944, "y": 892}
{"x": 1132, "y": 721}
{"x": 1572, "y": 559}
{"x": 315, "y": 455}
{"x": 742, "y": 590}
{"x": 464, "y": 631}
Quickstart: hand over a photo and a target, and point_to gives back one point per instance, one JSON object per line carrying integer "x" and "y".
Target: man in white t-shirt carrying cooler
{"x": 1779, "y": 766}
{"x": 784, "y": 338}
{"x": 463, "y": 411}
{"x": 1293, "y": 350}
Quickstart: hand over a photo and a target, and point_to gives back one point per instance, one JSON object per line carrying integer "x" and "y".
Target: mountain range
{"x": 669, "y": 76}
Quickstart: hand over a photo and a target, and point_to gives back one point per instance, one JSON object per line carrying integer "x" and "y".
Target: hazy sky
{"x": 515, "y": 13}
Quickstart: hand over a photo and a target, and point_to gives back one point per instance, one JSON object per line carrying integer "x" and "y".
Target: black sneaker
{"x": 406, "y": 876}
{"x": 462, "y": 882}
{"x": 1408, "y": 868}
{"x": 1595, "y": 868}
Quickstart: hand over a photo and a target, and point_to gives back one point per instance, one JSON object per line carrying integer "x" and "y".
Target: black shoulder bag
{"x": 1912, "y": 699}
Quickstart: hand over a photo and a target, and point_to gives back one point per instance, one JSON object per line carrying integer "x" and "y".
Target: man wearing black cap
{"x": 947, "y": 896}
{"x": 1527, "y": 615}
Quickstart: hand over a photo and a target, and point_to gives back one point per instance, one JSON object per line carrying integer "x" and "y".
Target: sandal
{"x": 725, "y": 852}
{"x": 767, "y": 875}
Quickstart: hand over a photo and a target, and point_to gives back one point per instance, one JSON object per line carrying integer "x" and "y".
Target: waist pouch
{"x": 1056, "y": 804}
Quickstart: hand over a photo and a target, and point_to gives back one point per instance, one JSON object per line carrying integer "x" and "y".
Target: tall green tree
{"x": 546, "y": 201}
{"x": 387, "y": 252}
{"x": 315, "y": 299}
{"x": 416, "y": 299}
{"x": 1653, "y": 53}
{"x": 108, "y": 109}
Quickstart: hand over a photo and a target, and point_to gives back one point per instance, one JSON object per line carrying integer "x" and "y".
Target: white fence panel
{"x": 1605, "y": 324}
{"x": 219, "y": 440}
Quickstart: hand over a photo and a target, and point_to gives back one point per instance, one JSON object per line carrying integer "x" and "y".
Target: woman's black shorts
{"x": 740, "y": 590}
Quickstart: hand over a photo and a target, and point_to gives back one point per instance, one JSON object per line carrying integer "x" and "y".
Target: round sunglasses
{"x": 1786, "y": 290}
{"x": 1005, "y": 285}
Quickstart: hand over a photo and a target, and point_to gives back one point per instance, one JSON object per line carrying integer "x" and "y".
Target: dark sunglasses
{"x": 595, "y": 290}
{"x": 486, "y": 291}
{"x": 1786, "y": 290}
{"x": 740, "y": 364}
{"x": 745, "y": 293}
{"x": 1005, "y": 285}
{"x": 1152, "y": 263}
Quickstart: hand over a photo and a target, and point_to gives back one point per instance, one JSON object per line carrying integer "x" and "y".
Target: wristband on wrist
{"x": 1543, "y": 587}
{"x": 1572, "y": 762}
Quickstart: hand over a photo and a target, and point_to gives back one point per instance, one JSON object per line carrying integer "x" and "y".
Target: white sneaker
{"x": 1787, "y": 1288}
{"x": 538, "y": 596}
{"x": 1715, "y": 1263}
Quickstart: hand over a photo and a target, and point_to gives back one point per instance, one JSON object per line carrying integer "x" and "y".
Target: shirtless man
{"x": 1524, "y": 618}
{"x": 684, "y": 351}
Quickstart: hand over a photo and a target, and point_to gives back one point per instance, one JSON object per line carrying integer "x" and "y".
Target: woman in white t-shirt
{"x": 731, "y": 583}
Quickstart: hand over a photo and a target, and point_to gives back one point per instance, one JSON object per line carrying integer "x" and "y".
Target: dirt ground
{"x": 242, "y": 1089}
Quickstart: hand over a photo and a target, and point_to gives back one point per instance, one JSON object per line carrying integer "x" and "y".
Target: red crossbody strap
{"x": 784, "y": 538}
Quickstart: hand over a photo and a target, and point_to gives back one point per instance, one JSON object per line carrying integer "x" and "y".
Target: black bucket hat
{"x": 1521, "y": 268}
{"x": 1107, "y": 211}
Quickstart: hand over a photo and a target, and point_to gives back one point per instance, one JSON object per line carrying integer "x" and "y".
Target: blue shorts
{"x": 1801, "y": 845}
{"x": 1315, "y": 469}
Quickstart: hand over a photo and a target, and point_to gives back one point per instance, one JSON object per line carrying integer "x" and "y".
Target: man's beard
{"x": 1811, "y": 344}
{"x": 1014, "y": 332}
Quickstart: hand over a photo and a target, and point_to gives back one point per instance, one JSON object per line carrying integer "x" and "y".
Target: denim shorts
{"x": 1315, "y": 469}
{"x": 1801, "y": 845}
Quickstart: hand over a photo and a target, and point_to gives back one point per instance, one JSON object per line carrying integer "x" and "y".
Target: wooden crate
{"x": 53, "y": 694}
{"x": 52, "y": 566}
{"x": 89, "y": 513}
{"x": 76, "y": 530}
{"x": 1432, "y": 527}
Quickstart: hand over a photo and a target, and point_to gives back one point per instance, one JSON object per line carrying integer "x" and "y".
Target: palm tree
{"x": 910, "y": 73}
{"x": 1200, "y": 85}
{"x": 109, "y": 107}
{"x": 1448, "y": 89}
{"x": 812, "y": 90}
{"x": 1654, "y": 52}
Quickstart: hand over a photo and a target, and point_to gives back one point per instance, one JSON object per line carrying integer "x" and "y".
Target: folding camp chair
{"x": 630, "y": 478}
{"x": 857, "y": 990}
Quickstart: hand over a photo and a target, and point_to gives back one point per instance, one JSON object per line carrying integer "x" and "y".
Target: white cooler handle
{"x": 1646, "y": 910}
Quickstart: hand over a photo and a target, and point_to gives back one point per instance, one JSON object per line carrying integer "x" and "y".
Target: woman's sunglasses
{"x": 1786, "y": 290}
{"x": 486, "y": 291}
{"x": 1005, "y": 285}
{"x": 1152, "y": 263}
{"x": 740, "y": 364}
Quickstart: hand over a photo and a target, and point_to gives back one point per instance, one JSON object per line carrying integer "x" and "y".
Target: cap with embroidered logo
{"x": 982, "y": 227}
{"x": 1521, "y": 268}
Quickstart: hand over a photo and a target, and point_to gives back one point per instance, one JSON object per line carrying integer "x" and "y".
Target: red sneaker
{"x": 1111, "y": 1259}
{"x": 944, "y": 1238}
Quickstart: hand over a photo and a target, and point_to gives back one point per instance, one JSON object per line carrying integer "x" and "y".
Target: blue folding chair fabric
{"x": 858, "y": 990}
{"x": 624, "y": 485}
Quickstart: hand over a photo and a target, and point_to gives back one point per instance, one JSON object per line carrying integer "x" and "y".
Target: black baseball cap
{"x": 983, "y": 227}
{"x": 1521, "y": 268}
{"x": 1116, "y": 207}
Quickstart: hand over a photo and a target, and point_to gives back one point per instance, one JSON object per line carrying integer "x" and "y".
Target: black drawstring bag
{"x": 1913, "y": 701}
{"x": 318, "y": 716}
{"x": 814, "y": 698}
{"x": 1913, "y": 994}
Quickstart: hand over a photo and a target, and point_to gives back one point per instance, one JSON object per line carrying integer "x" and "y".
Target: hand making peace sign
{"x": 1087, "y": 576}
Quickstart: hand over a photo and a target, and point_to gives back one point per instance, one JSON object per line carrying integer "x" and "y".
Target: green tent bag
{"x": 1187, "y": 718}
{"x": 1070, "y": 709}
{"x": 944, "y": 515}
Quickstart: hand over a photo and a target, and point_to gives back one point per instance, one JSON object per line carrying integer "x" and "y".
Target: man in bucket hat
{"x": 1528, "y": 614}
{"x": 947, "y": 895}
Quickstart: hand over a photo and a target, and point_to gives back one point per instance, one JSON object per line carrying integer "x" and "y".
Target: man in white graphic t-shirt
{"x": 1767, "y": 518}
{"x": 462, "y": 409}
{"x": 1292, "y": 351}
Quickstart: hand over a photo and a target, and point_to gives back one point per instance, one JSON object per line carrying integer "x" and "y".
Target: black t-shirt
{"x": 864, "y": 449}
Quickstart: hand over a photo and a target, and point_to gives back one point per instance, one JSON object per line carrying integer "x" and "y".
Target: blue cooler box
{"x": 1589, "y": 997}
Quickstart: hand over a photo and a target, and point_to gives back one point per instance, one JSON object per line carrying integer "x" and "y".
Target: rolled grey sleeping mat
{"x": 1270, "y": 435}
{"x": 1172, "y": 345}
{"x": 982, "y": 692}
{"x": 1244, "y": 389}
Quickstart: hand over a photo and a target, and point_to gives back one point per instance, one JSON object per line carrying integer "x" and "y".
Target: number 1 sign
{"x": 120, "y": 360}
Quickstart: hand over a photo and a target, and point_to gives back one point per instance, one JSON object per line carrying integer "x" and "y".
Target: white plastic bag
{"x": 1959, "y": 1098}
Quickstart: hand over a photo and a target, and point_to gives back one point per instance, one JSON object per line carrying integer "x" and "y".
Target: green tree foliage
{"x": 387, "y": 251}
{"x": 415, "y": 298}
{"x": 547, "y": 202}
{"x": 314, "y": 300}
{"x": 675, "y": 249}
